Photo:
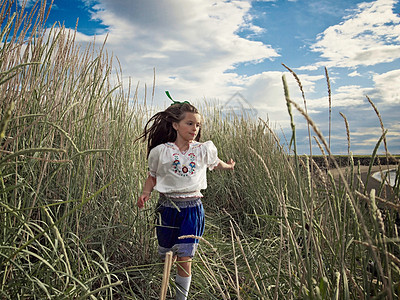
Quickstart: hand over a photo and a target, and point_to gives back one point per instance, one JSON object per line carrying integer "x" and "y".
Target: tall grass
{"x": 279, "y": 226}
{"x": 69, "y": 170}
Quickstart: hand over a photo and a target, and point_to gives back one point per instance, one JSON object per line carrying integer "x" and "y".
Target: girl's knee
{"x": 184, "y": 265}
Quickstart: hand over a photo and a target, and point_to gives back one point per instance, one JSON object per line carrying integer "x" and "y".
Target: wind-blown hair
{"x": 159, "y": 129}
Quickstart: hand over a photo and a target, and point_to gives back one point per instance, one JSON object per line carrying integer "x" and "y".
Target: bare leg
{"x": 184, "y": 266}
{"x": 183, "y": 277}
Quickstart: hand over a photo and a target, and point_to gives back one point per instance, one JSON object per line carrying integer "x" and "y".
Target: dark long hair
{"x": 159, "y": 129}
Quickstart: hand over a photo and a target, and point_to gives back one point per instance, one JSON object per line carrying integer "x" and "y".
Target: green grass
{"x": 70, "y": 175}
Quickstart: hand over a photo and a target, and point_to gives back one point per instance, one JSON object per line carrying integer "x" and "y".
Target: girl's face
{"x": 188, "y": 128}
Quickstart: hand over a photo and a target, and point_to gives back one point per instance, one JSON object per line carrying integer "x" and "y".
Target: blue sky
{"x": 212, "y": 49}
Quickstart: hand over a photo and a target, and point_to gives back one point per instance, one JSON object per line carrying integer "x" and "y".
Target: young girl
{"x": 177, "y": 170}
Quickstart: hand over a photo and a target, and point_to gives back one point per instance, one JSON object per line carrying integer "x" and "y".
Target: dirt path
{"x": 372, "y": 182}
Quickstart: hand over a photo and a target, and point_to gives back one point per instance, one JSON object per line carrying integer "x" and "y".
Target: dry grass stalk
{"x": 215, "y": 251}
{"x": 347, "y": 132}
{"x": 322, "y": 176}
{"x": 280, "y": 254}
{"x": 392, "y": 257}
{"x": 249, "y": 250}
{"x": 383, "y": 133}
{"x": 382, "y": 201}
{"x": 380, "y": 122}
{"x": 273, "y": 134}
{"x": 199, "y": 238}
{"x": 214, "y": 277}
{"x": 305, "y": 107}
{"x": 167, "y": 271}
{"x": 237, "y": 286}
{"x": 361, "y": 293}
{"x": 245, "y": 258}
{"x": 330, "y": 103}
{"x": 323, "y": 153}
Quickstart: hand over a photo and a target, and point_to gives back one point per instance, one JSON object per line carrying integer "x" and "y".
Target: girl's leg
{"x": 183, "y": 277}
{"x": 184, "y": 265}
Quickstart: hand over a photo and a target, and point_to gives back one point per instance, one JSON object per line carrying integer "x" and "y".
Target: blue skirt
{"x": 175, "y": 219}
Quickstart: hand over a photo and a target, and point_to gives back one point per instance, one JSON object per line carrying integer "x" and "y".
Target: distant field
{"x": 363, "y": 160}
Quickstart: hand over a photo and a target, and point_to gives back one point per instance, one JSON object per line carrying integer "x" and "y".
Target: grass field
{"x": 278, "y": 227}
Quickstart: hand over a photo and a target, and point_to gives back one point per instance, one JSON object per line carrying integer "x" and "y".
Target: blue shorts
{"x": 175, "y": 219}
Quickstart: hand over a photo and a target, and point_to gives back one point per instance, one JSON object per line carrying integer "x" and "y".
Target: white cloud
{"x": 387, "y": 85}
{"x": 195, "y": 48}
{"x": 191, "y": 44}
{"x": 354, "y": 74}
{"x": 350, "y": 95}
{"x": 308, "y": 68}
{"x": 27, "y": 3}
{"x": 396, "y": 128}
{"x": 265, "y": 92}
{"x": 367, "y": 37}
{"x": 371, "y": 131}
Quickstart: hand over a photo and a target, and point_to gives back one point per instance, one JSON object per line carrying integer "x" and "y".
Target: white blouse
{"x": 182, "y": 174}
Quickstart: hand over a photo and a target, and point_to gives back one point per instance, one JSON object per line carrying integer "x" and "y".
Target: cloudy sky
{"x": 212, "y": 49}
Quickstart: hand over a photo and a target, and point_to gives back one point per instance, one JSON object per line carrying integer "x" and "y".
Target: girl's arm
{"x": 229, "y": 165}
{"x": 148, "y": 187}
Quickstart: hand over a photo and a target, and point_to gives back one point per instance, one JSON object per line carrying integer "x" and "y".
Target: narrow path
{"x": 372, "y": 182}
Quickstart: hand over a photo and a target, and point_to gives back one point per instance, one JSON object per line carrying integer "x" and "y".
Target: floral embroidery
{"x": 184, "y": 170}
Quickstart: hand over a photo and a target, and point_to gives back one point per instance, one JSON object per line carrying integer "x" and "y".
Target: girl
{"x": 177, "y": 170}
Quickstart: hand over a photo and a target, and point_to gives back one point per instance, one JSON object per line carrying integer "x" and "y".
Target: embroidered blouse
{"x": 182, "y": 174}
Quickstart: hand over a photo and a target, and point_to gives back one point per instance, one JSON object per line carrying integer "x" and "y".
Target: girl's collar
{"x": 183, "y": 151}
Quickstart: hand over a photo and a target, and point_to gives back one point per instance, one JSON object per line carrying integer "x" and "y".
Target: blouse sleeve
{"x": 211, "y": 155}
{"x": 154, "y": 157}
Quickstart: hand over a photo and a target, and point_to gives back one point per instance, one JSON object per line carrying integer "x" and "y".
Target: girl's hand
{"x": 148, "y": 187}
{"x": 142, "y": 199}
{"x": 231, "y": 163}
